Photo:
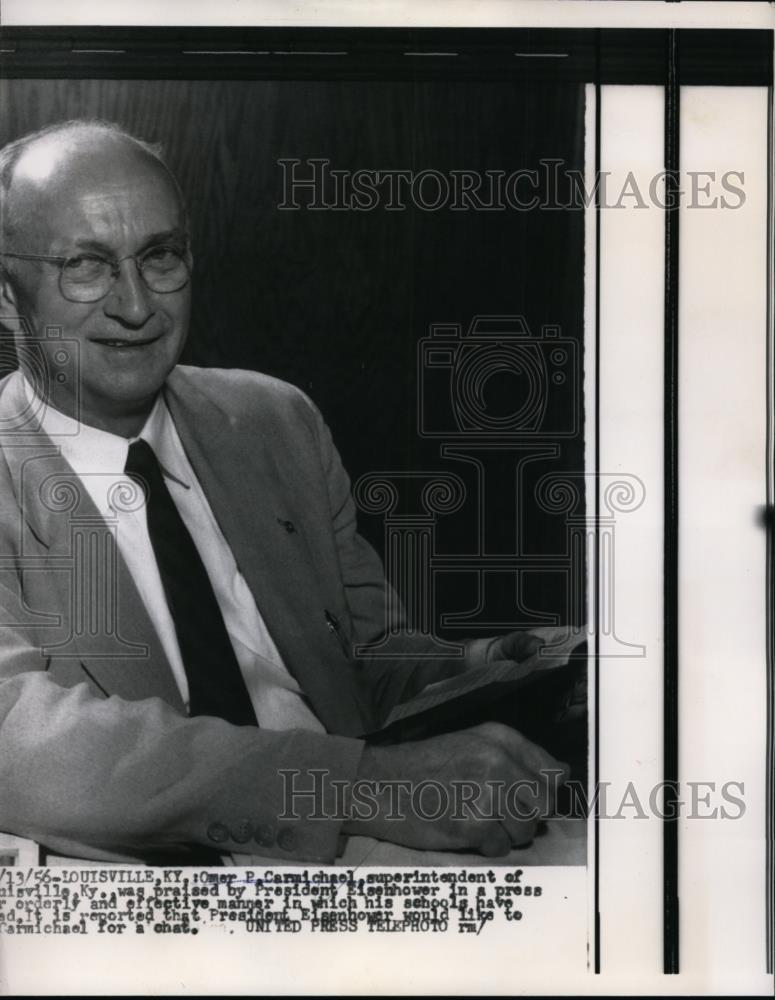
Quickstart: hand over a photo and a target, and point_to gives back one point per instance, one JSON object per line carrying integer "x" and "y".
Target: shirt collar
{"x": 161, "y": 434}
{"x": 91, "y": 450}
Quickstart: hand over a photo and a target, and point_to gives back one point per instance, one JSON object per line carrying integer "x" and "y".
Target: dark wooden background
{"x": 334, "y": 301}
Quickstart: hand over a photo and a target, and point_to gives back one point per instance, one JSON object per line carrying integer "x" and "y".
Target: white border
{"x": 393, "y": 13}
{"x": 632, "y": 280}
{"x": 722, "y": 542}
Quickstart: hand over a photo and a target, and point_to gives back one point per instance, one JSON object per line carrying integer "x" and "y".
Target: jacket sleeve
{"x": 108, "y": 778}
{"x": 374, "y": 606}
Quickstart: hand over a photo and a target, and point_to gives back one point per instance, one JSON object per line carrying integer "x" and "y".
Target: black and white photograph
{"x": 386, "y": 476}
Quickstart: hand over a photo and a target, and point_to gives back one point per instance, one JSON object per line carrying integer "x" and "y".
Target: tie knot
{"x": 143, "y": 467}
{"x": 141, "y": 459}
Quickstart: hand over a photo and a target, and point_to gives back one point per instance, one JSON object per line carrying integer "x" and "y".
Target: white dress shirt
{"x": 98, "y": 458}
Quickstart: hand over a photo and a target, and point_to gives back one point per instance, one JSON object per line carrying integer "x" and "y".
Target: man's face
{"x": 115, "y": 202}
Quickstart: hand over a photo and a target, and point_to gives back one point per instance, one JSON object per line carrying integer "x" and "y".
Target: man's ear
{"x": 9, "y": 301}
{"x": 9, "y": 304}
{"x": 10, "y": 316}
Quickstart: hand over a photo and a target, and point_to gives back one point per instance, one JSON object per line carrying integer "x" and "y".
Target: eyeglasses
{"x": 88, "y": 277}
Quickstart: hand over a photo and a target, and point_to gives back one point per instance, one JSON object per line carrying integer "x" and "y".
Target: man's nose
{"x": 129, "y": 298}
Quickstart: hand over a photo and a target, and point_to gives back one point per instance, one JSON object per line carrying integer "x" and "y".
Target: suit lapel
{"x": 252, "y": 500}
{"x": 106, "y": 626}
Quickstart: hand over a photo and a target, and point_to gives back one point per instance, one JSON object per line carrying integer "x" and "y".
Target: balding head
{"x": 34, "y": 165}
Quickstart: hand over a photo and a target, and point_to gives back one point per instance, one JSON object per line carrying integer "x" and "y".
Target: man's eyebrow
{"x": 174, "y": 236}
{"x": 96, "y": 245}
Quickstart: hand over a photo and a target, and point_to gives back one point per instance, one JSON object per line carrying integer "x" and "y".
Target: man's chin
{"x": 121, "y": 407}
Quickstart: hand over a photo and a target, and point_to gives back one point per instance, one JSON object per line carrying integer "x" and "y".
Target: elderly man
{"x": 181, "y": 581}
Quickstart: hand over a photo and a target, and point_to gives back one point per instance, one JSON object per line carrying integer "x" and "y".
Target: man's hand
{"x": 515, "y": 646}
{"x": 483, "y": 789}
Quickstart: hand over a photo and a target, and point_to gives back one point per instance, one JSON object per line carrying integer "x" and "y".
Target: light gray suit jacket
{"x": 97, "y": 756}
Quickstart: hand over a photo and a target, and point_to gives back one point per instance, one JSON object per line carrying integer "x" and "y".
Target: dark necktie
{"x": 216, "y": 685}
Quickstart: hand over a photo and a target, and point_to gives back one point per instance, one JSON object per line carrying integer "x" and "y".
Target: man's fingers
{"x": 517, "y": 646}
{"x": 496, "y": 841}
{"x": 501, "y": 785}
{"x": 521, "y": 832}
{"x": 532, "y": 775}
{"x": 520, "y": 749}
{"x": 501, "y": 836}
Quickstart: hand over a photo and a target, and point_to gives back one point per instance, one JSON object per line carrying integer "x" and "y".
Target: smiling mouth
{"x": 124, "y": 344}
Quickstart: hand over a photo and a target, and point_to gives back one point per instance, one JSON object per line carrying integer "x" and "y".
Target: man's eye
{"x": 84, "y": 267}
{"x": 162, "y": 258}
